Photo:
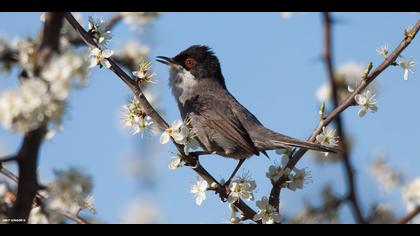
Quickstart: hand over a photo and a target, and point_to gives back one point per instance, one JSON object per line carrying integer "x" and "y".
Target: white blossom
{"x": 26, "y": 55}
{"x": 36, "y": 216}
{"x": 241, "y": 187}
{"x": 182, "y": 133}
{"x": 10, "y": 107}
{"x": 88, "y": 203}
{"x": 97, "y": 27}
{"x": 28, "y": 107}
{"x": 144, "y": 74}
{"x": 175, "y": 163}
{"x": 135, "y": 117}
{"x": 327, "y": 138}
{"x": 188, "y": 139}
{"x": 138, "y": 19}
{"x": 275, "y": 172}
{"x": 234, "y": 219}
{"x": 267, "y": 213}
{"x": 383, "y": 50}
{"x": 385, "y": 175}
{"x": 347, "y": 76}
{"x": 67, "y": 68}
{"x": 70, "y": 192}
{"x": 367, "y": 102}
{"x": 141, "y": 211}
{"x": 172, "y": 131}
{"x": 382, "y": 213}
{"x": 351, "y": 71}
{"x": 199, "y": 190}
{"x": 411, "y": 194}
{"x": 408, "y": 65}
{"x": 285, "y": 152}
{"x": 299, "y": 179}
{"x": 98, "y": 57}
{"x": 324, "y": 92}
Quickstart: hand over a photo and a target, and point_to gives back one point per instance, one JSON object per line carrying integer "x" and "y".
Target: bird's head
{"x": 196, "y": 62}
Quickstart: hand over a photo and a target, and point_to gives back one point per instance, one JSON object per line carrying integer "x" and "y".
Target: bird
{"x": 223, "y": 126}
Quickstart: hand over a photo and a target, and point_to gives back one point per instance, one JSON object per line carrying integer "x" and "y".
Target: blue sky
{"x": 272, "y": 66}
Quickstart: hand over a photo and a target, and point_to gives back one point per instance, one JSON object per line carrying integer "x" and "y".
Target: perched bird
{"x": 223, "y": 126}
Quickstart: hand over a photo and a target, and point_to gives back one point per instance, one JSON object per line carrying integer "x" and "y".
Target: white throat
{"x": 182, "y": 83}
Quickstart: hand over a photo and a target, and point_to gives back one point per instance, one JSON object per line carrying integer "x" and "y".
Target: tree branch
{"x": 27, "y": 157}
{"x": 389, "y": 60}
{"x": 247, "y": 211}
{"x": 338, "y": 120}
{"x": 410, "y": 215}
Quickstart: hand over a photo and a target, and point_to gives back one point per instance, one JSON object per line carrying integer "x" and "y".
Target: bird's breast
{"x": 183, "y": 84}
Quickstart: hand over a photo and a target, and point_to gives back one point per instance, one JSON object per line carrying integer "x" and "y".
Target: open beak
{"x": 165, "y": 60}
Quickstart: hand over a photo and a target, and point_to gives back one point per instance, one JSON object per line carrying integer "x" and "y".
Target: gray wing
{"x": 217, "y": 115}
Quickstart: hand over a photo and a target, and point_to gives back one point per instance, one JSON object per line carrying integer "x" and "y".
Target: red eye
{"x": 189, "y": 63}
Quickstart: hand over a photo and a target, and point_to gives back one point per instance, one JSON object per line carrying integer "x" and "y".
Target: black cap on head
{"x": 206, "y": 63}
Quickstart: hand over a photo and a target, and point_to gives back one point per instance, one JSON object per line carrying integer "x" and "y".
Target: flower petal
{"x": 405, "y": 74}
{"x": 373, "y": 108}
{"x": 200, "y": 197}
{"x": 360, "y": 99}
{"x": 105, "y": 63}
{"x": 164, "y": 138}
{"x": 107, "y": 53}
{"x": 362, "y": 112}
{"x": 177, "y": 124}
{"x": 92, "y": 62}
{"x": 178, "y": 137}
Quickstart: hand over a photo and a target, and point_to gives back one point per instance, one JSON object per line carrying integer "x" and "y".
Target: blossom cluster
{"x": 387, "y": 177}
{"x": 42, "y": 98}
{"x": 242, "y": 187}
{"x": 295, "y": 178}
{"x": 135, "y": 117}
{"x": 70, "y": 192}
{"x": 182, "y": 133}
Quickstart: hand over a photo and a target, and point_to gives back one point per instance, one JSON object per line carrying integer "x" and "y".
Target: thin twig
{"x": 74, "y": 218}
{"x": 9, "y": 174}
{"x": 410, "y": 215}
{"x": 8, "y": 159}
{"x": 275, "y": 191}
{"x": 247, "y": 211}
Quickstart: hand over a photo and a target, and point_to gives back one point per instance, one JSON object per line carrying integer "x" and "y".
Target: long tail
{"x": 266, "y": 139}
